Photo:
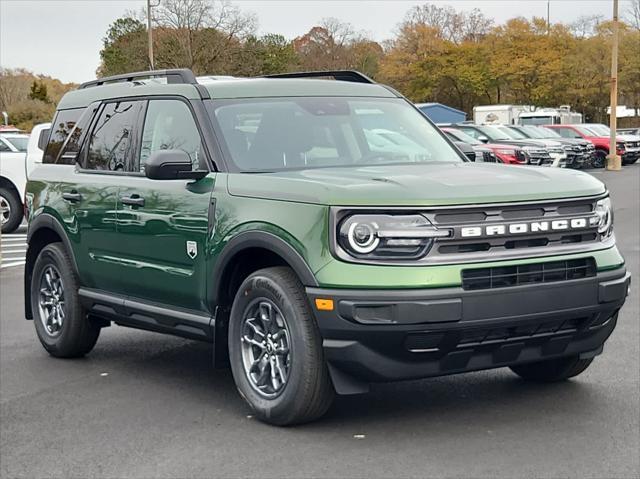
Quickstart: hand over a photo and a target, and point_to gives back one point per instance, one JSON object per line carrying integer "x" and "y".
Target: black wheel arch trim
{"x": 268, "y": 241}
{"x": 42, "y": 221}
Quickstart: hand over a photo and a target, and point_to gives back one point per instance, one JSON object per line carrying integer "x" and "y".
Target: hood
{"x": 627, "y": 138}
{"x": 527, "y": 142}
{"x": 416, "y": 185}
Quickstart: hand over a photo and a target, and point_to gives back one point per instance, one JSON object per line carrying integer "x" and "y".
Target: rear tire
{"x": 552, "y": 370}
{"x": 61, "y": 322}
{"x": 11, "y": 212}
{"x": 271, "y": 315}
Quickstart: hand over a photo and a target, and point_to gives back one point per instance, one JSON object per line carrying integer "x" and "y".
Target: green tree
{"x": 39, "y": 92}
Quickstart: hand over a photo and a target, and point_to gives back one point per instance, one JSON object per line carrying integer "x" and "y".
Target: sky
{"x": 62, "y": 38}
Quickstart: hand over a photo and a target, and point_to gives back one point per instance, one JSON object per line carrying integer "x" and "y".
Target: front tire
{"x": 552, "y": 370}
{"x": 275, "y": 349}
{"x": 10, "y": 210}
{"x": 600, "y": 159}
{"x": 61, "y": 322}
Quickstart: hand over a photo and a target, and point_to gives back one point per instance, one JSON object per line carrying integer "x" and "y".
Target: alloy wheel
{"x": 51, "y": 300}
{"x": 266, "y": 354}
{"x": 5, "y": 210}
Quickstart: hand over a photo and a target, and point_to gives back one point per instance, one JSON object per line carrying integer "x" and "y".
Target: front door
{"x": 163, "y": 224}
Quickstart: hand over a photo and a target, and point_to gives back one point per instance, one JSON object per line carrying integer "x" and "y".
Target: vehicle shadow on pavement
{"x": 492, "y": 397}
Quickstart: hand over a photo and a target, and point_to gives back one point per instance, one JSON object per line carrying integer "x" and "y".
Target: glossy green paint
{"x": 90, "y": 225}
{"x": 417, "y": 184}
{"x": 152, "y": 242}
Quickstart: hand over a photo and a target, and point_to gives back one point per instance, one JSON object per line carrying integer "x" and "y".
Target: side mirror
{"x": 42, "y": 139}
{"x": 171, "y": 165}
{"x": 483, "y": 139}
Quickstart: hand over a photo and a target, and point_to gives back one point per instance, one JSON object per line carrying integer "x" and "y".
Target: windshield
{"x": 600, "y": 129}
{"x": 533, "y": 132}
{"x": 549, "y": 133}
{"x": 538, "y": 120}
{"x": 19, "y": 142}
{"x": 515, "y": 134}
{"x": 462, "y": 136}
{"x": 274, "y": 134}
{"x": 586, "y": 131}
{"x": 494, "y": 133}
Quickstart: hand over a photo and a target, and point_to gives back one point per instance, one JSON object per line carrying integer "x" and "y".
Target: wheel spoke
{"x": 254, "y": 327}
{"x": 281, "y": 373}
{"x": 252, "y": 341}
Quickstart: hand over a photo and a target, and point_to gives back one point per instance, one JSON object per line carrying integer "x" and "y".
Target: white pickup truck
{"x": 18, "y": 155}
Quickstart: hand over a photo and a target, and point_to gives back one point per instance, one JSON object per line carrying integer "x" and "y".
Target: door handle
{"x": 72, "y": 196}
{"x": 133, "y": 200}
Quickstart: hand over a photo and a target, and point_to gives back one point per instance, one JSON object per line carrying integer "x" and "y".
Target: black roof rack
{"x": 342, "y": 75}
{"x": 177, "y": 75}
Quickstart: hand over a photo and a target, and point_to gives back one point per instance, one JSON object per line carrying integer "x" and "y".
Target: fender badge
{"x": 192, "y": 249}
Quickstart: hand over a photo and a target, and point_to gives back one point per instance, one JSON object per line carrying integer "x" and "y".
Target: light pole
{"x": 613, "y": 160}
{"x": 150, "y": 33}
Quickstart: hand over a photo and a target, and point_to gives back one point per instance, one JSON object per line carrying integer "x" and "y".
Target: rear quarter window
{"x": 61, "y": 126}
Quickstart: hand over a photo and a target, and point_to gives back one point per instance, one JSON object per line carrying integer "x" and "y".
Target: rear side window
{"x": 112, "y": 140}
{"x": 61, "y": 126}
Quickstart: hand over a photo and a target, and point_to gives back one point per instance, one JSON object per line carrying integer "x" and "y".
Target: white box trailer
{"x": 498, "y": 114}
{"x": 550, "y": 116}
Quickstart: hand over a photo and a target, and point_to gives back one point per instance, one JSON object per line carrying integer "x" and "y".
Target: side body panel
{"x": 162, "y": 245}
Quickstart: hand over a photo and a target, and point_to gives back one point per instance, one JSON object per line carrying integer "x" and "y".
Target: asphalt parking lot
{"x": 146, "y": 405}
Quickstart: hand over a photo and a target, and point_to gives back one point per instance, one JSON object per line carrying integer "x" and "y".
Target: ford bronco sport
{"x": 262, "y": 215}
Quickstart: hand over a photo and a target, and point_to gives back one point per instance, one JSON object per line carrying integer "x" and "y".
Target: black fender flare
{"x": 260, "y": 239}
{"x": 42, "y": 221}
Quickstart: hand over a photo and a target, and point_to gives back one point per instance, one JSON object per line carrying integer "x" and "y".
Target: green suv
{"x": 269, "y": 217}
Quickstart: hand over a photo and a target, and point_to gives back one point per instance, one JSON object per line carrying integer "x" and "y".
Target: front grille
{"x": 489, "y": 157}
{"x": 520, "y": 156}
{"x": 525, "y": 274}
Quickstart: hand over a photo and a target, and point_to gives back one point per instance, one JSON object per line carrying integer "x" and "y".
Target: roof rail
{"x": 342, "y": 75}
{"x": 177, "y": 75}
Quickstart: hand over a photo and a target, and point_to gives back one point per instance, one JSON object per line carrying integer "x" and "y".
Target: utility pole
{"x": 613, "y": 160}
{"x": 150, "y": 33}
{"x": 548, "y": 18}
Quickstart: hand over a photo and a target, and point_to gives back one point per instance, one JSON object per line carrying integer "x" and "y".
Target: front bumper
{"x": 387, "y": 335}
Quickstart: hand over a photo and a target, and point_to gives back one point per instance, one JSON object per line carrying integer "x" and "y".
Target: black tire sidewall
{"x": 60, "y": 344}
{"x": 263, "y": 286}
{"x": 16, "y": 210}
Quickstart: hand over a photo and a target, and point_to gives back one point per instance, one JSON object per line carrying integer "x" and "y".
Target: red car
{"x": 508, "y": 154}
{"x": 600, "y": 142}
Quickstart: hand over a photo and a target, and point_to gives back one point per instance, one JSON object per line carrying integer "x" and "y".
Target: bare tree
{"x": 194, "y": 33}
{"x": 586, "y": 25}
{"x": 632, "y": 14}
{"x": 452, "y": 25}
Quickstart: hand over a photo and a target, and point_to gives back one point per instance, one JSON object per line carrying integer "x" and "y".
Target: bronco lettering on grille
{"x": 527, "y": 227}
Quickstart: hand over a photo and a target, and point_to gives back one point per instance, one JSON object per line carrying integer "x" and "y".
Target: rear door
{"x": 163, "y": 224}
{"x": 93, "y": 190}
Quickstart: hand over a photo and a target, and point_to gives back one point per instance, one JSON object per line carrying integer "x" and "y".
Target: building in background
{"x": 439, "y": 113}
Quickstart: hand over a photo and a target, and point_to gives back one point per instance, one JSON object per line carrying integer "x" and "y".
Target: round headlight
{"x": 362, "y": 237}
{"x": 605, "y": 215}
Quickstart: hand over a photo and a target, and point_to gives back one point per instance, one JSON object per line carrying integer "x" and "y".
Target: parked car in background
{"x": 553, "y": 147}
{"x": 631, "y": 142}
{"x": 628, "y": 131}
{"x": 35, "y": 148}
{"x": 482, "y": 152}
{"x": 13, "y": 147}
{"x": 533, "y": 152}
{"x": 578, "y": 152}
{"x": 600, "y": 142}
